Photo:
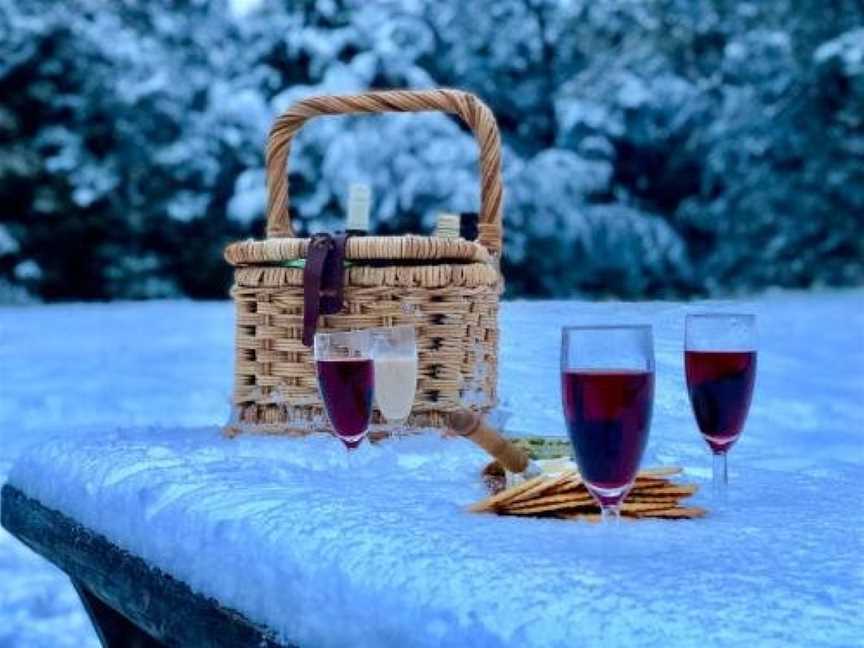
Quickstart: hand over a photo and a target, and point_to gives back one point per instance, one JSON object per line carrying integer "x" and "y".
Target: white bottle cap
{"x": 359, "y": 201}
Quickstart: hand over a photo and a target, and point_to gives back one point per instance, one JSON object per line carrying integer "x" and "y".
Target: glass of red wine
{"x": 607, "y": 387}
{"x": 346, "y": 378}
{"x": 720, "y": 365}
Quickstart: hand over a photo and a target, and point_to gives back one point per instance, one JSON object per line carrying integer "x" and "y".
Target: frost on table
{"x": 381, "y": 552}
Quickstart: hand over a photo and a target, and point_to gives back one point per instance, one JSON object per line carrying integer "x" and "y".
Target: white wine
{"x": 395, "y": 385}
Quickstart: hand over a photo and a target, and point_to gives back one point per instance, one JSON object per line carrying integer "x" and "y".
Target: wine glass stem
{"x": 397, "y": 428}
{"x": 720, "y": 474}
{"x": 610, "y": 514}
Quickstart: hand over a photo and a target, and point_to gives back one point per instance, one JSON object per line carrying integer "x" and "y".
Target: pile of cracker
{"x": 565, "y": 496}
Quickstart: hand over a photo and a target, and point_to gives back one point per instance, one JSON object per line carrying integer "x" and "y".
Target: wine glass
{"x": 346, "y": 379}
{"x": 607, "y": 386}
{"x": 720, "y": 365}
{"x": 394, "y": 350}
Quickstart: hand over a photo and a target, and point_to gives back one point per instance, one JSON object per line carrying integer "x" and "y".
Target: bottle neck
{"x": 359, "y": 199}
{"x": 447, "y": 226}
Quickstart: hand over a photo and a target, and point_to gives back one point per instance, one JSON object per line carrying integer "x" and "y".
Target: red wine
{"x": 346, "y": 387}
{"x": 720, "y": 384}
{"x": 608, "y": 414}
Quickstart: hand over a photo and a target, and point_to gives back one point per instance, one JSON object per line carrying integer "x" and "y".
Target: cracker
{"x": 672, "y": 500}
{"x": 640, "y": 507}
{"x": 651, "y": 480}
{"x": 627, "y": 508}
{"x": 661, "y": 471}
{"x": 592, "y": 517}
{"x": 566, "y": 496}
{"x": 572, "y": 491}
{"x": 587, "y": 516}
{"x": 552, "y": 499}
{"x": 543, "y": 487}
{"x": 574, "y": 484}
{"x": 506, "y": 495}
{"x": 679, "y": 490}
{"x": 547, "y": 508}
{"x": 671, "y": 513}
{"x": 676, "y": 513}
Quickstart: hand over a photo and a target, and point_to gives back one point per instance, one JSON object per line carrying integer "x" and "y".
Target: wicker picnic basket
{"x": 448, "y": 288}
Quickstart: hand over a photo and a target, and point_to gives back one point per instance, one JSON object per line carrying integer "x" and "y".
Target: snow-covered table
{"x": 381, "y": 552}
{"x": 797, "y": 473}
{"x": 128, "y": 602}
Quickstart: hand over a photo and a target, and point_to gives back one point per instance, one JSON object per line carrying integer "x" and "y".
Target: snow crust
{"x": 379, "y": 551}
{"x": 327, "y": 553}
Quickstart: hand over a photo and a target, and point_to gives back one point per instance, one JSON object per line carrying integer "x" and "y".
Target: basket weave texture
{"x": 447, "y": 288}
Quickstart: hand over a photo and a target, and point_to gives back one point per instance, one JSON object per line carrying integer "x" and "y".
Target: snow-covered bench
{"x": 129, "y": 602}
{"x": 203, "y": 540}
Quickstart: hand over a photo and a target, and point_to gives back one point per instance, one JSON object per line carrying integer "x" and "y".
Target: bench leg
{"x": 114, "y": 629}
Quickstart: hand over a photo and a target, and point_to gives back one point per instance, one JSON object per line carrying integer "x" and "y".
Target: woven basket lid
{"x": 282, "y": 245}
{"x": 362, "y": 248}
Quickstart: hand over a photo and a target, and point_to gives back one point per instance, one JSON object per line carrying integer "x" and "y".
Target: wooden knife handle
{"x": 472, "y": 426}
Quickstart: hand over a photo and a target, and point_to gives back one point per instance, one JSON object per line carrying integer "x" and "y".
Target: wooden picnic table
{"x": 130, "y": 604}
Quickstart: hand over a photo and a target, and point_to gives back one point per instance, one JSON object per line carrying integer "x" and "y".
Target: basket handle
{"x": 473, "y": 112}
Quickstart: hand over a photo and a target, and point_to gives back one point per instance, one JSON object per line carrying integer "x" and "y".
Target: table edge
{"x": 125, "y": 582}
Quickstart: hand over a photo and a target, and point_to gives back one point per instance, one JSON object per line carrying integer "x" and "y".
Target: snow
{"x": 8, "y": 243}
{"x": 847, "y": 47}
{"x": 332, "y": 554}
{"x": 250, "y": 196}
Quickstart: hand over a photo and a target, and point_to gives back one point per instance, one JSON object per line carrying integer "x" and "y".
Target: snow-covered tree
{"x": 669, "y": 147}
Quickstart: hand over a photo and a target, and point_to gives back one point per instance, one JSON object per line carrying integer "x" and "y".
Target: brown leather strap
{"x": 316, "y": 257}
{"x": 323, "y": 285}
{"x": 332, "y": 285}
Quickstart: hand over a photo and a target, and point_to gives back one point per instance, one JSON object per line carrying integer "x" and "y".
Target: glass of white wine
{"x": 394, "y": 353}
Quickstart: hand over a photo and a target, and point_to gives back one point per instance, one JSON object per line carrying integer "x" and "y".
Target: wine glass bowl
{"x": 394, "y": 350}
{"x": 346, "y": 379}
{"x": 607, "y": 385}
{"x": 720, "y": 368}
